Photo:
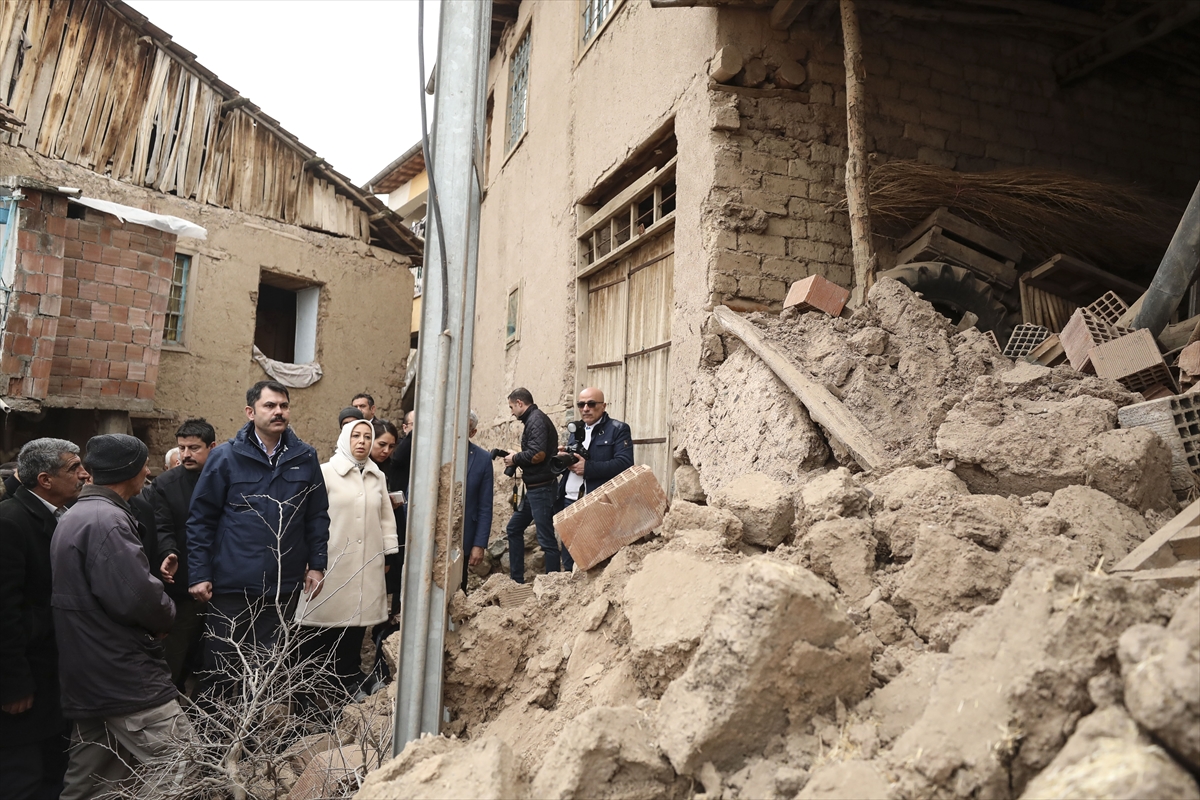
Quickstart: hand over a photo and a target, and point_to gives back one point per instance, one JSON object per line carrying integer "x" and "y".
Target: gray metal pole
{"x": 1175, "y": 273}
{"x": 434, "y": 544}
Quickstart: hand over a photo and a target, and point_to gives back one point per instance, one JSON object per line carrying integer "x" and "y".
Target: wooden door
{"x": 629, "y": 346}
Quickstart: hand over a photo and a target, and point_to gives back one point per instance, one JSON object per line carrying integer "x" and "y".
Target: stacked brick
{"x": 95, "y": 290}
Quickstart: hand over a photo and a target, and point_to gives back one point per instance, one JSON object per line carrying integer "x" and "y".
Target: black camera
{"x": 575, "y": 448}
{"x": 498, "y": 453}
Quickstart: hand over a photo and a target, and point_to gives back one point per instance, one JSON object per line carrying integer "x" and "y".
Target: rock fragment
{"x": 833, "y": 495}
{"x": 842, "y": 552}
{"x": 764, "y": 506}
{"x": 434, "y": 768}
{"x": 1133, "y": 466}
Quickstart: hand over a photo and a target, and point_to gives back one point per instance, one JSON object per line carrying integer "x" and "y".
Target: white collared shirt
{"x": 57, "y": 511}
{"x": 575, "y": 482}
{"x": 270, "y": 453}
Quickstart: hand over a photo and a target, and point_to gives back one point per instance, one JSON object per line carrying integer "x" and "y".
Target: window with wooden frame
{"x": 512, "y": 322}
{"x": 518, "y": 92}
{"x": 645, "y": 207}
{"x": 177, "y": 300}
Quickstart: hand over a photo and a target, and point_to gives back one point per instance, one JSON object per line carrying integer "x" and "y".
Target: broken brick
{"x": 1083, "y": 333}
{"x": 815, "y": 293}
{"x": 616, "y": 514}
{"x": 1133, "y": 360}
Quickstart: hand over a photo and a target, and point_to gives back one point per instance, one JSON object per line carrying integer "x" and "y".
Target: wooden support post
{"x": 856, "y": 161}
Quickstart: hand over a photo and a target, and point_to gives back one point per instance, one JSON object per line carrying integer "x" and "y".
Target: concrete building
{"x": 632, "y": 184}
{"x": 112, "y": 325}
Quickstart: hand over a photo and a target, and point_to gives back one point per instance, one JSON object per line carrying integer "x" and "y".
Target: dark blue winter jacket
{"x": 609, "y": 454}
{"x": 253, "y": 526}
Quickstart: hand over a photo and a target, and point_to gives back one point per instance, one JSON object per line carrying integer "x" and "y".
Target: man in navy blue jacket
{"x": 478, "y": 501}
{"x": 258, "y": 532}
{"x": 609, "y": 447}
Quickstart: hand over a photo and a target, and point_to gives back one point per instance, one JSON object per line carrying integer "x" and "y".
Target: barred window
{"x": 518, "y": 92}
{"x": 592, "y": 17}
{"x": 177, "y": 301}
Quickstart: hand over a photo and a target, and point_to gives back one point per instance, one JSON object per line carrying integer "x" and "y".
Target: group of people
{"x": 115, "y": 594}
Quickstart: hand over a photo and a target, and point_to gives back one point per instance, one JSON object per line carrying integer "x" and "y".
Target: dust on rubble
{"x": 799, "y": 628}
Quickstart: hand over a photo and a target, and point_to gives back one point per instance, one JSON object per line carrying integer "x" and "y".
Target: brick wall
{"x": 953, "y": 96}
{"x": 96, "y": 291}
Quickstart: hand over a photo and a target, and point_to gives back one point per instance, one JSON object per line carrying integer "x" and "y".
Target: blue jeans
{"x": 568, "y": 563}
{"x": 537, "y": 507}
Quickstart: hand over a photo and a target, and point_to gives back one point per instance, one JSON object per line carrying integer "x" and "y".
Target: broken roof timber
{"x": 1152, "y": 23}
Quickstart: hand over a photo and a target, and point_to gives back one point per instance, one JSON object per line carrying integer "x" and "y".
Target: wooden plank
{"x": 1186, "y": 544}
{"x": 825, "y": 409}
{"x": 86, "y": 98}
{"x": 90, "y": 143}
{"x": 41, "y": 62}
{"x": 147, "y": 109}
{"x": 13, "y": 16}
{"x": 997, "y": 245}
{"x": 1149, "y": 24}
{"x": 80, "y": 28}
{"x": 1078, "y": 281}
{"x": 130, "y": 74}
{"x": 1183, "y": 574}
{"x": 1148, "y": 550}
{"x": 784, "y": 13}
{"x": 934, "y": 246}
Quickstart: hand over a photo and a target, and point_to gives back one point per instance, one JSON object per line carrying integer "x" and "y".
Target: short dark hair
{"x": 255, "y": 392}
{"x": 382, "y": 426}
{"x": 199, "y": 428}
{"x": 521, "y": 395}
{"x": 370, "y": 400}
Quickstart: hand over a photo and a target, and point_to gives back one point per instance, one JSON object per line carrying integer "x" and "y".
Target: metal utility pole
{"x": 434, "y": 554}
{"x": 1176, "y": 272}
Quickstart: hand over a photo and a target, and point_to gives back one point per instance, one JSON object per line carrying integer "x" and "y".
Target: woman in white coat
{"x": 362, "y": 530}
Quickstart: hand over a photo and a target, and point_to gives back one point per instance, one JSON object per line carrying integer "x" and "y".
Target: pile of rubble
{"x": 937, "y": 626}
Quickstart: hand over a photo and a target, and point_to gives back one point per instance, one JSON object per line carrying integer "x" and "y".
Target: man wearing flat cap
{"x": 109, "y": 613}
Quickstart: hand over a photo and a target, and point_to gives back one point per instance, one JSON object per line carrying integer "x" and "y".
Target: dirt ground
{"x": 798, "y": 628}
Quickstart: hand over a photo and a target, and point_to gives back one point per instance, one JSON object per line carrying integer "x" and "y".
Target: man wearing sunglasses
{"x": 609, "y": 447}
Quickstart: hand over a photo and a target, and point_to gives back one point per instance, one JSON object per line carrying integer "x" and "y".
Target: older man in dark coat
{"x": 33, "y": 745}
{"x": 109, "y": 613}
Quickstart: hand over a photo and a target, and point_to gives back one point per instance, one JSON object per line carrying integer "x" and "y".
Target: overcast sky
{"x": 339, "y": 74}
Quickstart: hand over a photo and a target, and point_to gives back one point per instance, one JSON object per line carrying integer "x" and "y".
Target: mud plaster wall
{"x": 957, "y": 97}
{"x": 360, "y": 344}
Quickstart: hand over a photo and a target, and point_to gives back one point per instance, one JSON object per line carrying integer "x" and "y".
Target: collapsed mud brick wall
{"x": 90, "y": 296}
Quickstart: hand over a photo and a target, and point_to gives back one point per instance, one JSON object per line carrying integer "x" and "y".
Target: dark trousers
{"x": 34, "y": 771}
{"x": 568, "y": 563}
{"x": 536, "y": 507}
{"x": 334, "y": 651}
{"x": 183, "y": 641}
{"x": 247, "y": 622}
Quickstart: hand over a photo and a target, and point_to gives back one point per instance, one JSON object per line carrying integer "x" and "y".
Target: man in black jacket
{"x": 33, "y": 744}
{"x": 538, "y": 443}
{"x": 171, "y": 497}
{"x": 109, "y": 613}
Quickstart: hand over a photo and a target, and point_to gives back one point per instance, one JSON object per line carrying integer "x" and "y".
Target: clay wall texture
{"x": 958, "y": 97}
{"x": 86, "y": 323}
{"x": 363, "y": 330}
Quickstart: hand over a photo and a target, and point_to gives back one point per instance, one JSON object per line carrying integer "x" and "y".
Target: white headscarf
{"x": 343, "y": 445}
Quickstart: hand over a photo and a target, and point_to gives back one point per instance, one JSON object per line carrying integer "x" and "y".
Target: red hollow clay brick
{"x": 616, "y": 514}
{"x": 815, "y": 293}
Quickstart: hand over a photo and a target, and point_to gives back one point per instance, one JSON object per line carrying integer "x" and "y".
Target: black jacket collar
{"x": 34, "y": 505}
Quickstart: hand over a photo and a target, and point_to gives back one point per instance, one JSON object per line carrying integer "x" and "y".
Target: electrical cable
{"x": 433, "y": 204}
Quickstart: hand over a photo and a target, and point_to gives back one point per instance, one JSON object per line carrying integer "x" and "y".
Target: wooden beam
{"x": 1147, "y": 554}
{"x": 1152, "y": 23}
{"x": 857, "y": 192}
{"x": 785, "y": 12}
{"x": 825, "y": 409}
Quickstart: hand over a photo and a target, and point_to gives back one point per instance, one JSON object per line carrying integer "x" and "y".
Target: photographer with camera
{"x": 602, "y": 447}
{"x": 539, "y": 442}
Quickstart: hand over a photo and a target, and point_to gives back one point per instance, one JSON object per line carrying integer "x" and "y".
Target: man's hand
{"x": 508, "y": 460}
{"x": 18, "y": 706}
{"x": 170, "y": 566}
{"x": 314, "y": 579}
{"x": 201, "y": 591}
{"x": 476, "y": 556}
{"x": 578, "y": 466}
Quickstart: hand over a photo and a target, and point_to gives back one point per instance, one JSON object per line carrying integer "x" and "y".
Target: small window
{"x": 285, "y": 323}
{"x": 487, "y": 138}
{"x": 518, "y": 92}
{"x": 512, "y": 327}
{"x": 592, "y": 17}
{"x": 177, "y": 300}
{"x": 619, "y": 223}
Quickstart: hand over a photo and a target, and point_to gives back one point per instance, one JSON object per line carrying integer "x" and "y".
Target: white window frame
{"x": 518, "y": 80}
{"x": 512, "y": 316}
{"x": 584, "y": 41}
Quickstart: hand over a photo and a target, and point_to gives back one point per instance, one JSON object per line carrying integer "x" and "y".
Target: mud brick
{"x": 1083, "y": 332}
{"x": 1176, "y": 420}
{"x": 1109, "y": 307}
{"x": 1134, "y": 360}
{"x": 616, "y": 514}
{"x": 815, "y": 293}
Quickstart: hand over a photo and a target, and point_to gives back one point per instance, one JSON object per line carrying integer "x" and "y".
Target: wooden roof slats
{"x": 98, "y": 86}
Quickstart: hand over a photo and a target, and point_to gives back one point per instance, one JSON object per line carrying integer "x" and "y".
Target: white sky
{"x": 339, "y": 74}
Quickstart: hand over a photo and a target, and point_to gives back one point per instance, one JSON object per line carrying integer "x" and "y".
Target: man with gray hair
{"x": 33, "y": 741}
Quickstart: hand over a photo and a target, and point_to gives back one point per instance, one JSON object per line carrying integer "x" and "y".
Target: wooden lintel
{"x": 825, "y": 409}
{"x": 785, "y": 12}
{"x": 1144, "y": 27}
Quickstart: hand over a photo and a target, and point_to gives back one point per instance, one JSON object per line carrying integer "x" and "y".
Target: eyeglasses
{"x": 589, "y": 403}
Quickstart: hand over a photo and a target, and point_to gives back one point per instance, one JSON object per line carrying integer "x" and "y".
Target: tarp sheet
{"x": 160, "y": 222}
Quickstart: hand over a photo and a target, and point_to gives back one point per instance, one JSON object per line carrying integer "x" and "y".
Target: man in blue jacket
{"x": 608, "y": 444}
{"x": 478, "y": 501}
{"x": 258, "y": 532}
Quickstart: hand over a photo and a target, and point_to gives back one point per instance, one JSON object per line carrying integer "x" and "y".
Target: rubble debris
{"x": 1025, "y": 337}
{"x": 842, "y": 551}
{"x": 979, "y": 238}
{"x": 435, "y": 767}
{"x": 1173, "y": 542}
{"x": 957, "y": 291}
{"x": 1107, "y": 756}
{"x": 685, "y": 516}
{"x": 328, "y": 773}
{"x": 1176, "y": 420}
{"x": 762, "y": 504}
{"x": 1189, "y": 364}
{"x": 842, "y": 779}
{"x": 943, "y": 245}
{"x": 1049, "y": 353}
{"x": 825, "y": 409}
{"x": 687, "y": 484}
{"x": 815, "y": 293}
{"x": 606, "y": 519}
{"x": 1160, "y": 666}
{"x": 777, "y": 646}
{"x": 1083, "y": 333}
{"x": 1133, "y": 360}
{"x": 833, "y": 495}
{"x": 1132, "y": 465}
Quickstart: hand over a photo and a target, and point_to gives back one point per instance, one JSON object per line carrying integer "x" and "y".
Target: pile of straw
{"x": 1118, "y": 228}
